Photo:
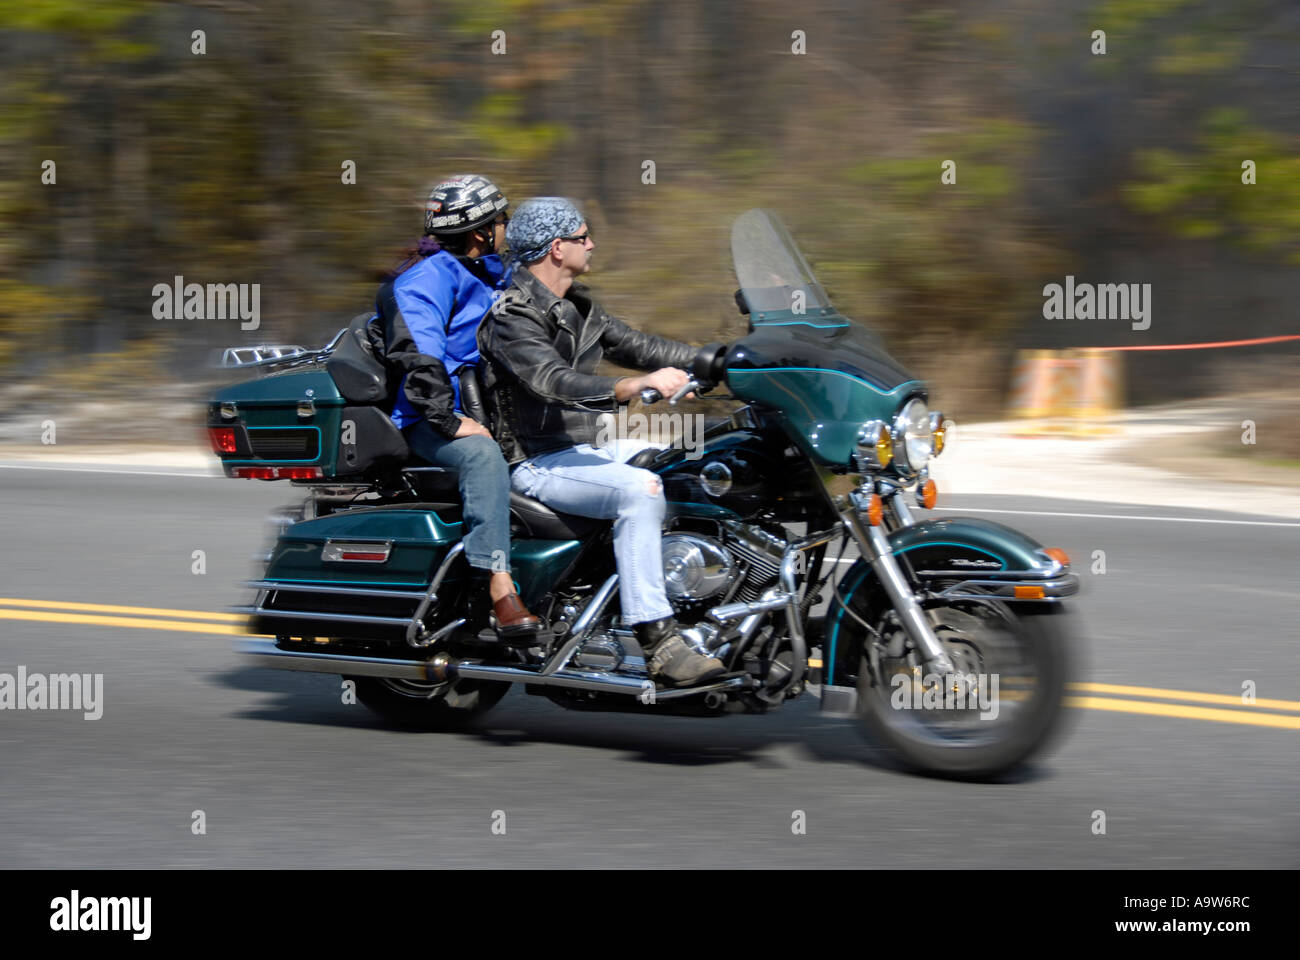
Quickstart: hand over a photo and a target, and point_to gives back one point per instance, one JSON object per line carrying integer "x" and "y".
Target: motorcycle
{"x": 945, "y": 639}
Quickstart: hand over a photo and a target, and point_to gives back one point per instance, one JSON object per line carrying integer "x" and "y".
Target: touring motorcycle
{"x": 827, "y": 448}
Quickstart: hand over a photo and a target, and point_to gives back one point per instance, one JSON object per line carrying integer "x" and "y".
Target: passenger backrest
{"x": 471, "y": 393}
{"x": 360, "y": 375}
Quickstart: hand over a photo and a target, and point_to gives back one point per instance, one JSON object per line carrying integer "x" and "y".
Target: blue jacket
{"x": 431, "y": 314}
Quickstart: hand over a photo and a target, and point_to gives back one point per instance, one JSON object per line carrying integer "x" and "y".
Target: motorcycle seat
{"x": 539, "y": 522}
{"x": 530, "y": 518}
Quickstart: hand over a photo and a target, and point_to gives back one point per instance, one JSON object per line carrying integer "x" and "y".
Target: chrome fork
{"x": 875, "y": 546}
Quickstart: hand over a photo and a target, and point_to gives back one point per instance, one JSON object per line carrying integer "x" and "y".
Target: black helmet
{"x": 461, "y": 203}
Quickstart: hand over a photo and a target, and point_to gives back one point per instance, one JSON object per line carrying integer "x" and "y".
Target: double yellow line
{"x": 143, "y": 618}
{"x": 1232, "y": 709}
{"x": 1227, "y": 708}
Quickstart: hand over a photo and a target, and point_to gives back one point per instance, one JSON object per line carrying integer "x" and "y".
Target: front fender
{"x": 969, "y": 545}
{"x": 985, "y": 558}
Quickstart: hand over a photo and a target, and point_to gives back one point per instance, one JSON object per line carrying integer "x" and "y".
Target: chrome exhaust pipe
{"x": 266, "y": 654}
{"x": 586, "y": 680}
{"x": 442, "y": 668}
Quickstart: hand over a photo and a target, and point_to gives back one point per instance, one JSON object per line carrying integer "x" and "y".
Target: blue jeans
{"x": 595, "y": 482}
{"x": 484, "y": 491}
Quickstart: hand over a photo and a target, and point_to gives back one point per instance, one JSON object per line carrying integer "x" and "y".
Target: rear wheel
{"x": 999, "y": 708}
{"x": 411, "y": 703}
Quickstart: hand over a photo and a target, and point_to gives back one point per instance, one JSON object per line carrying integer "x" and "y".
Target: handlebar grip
{"x": 650, "y": 395}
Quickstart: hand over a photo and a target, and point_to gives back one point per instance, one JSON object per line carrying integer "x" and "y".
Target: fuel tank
{"x": 746, "y": 465}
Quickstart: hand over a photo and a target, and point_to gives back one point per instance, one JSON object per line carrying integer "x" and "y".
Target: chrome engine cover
{"x": 696, "y": 567}
{"x": 600, "y": 652}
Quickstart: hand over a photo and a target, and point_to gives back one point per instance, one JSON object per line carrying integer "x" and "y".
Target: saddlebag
{"x": 318, "y": 419}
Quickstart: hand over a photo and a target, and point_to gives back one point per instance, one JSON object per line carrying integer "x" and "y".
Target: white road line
{"x": 132, "y": 473}
{"x": 1122, "y": 516}
{"x": 1259, "y": 591}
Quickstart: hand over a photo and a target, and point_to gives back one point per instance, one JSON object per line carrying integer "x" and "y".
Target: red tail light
{"x": 222, "y": 439}
{"x": 278, "y": 473}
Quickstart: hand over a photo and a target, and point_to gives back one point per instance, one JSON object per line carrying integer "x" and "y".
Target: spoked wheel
{"x": 999, "y": 706}
{"x": 412, "y": 703}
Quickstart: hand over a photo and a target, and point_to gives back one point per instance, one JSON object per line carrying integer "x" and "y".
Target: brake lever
{"x": 691, "y": 387}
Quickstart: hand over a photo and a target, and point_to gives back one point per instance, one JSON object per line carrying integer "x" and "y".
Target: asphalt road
{"x": 287, "y": 775}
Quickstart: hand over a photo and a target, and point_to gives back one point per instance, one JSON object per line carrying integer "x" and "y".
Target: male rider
{"x": 430, "y": 314}
{"x": 543, "y": 339}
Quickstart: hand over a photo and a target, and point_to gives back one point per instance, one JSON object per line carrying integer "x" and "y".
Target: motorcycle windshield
{"x": 774, "y": 277}
{"x": 825, "y": 374}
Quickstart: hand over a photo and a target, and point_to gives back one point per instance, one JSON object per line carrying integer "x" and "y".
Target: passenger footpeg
{"x": 532, "y": 638}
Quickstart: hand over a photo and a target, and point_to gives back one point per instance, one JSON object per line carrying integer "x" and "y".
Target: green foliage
{"x": 986, "y": 153}
{"x": 1199, "y": 194}
{"x": 91, "y": 23}
{"x": 498, "y": 124}
{"x": 1192, "y": 55}
{"x": 1174, "y": 40}
{"x": 946, "y": 252}
{"x": 1128, "y": 16}
{"x": 69, "y": 16}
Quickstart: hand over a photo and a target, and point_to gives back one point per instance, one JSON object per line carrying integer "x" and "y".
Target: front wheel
{"x": 428, "y": 706}
{"x": 1001, "y": 705}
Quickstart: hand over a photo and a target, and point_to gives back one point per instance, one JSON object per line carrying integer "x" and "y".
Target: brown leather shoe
{"x": 513, "y": 618}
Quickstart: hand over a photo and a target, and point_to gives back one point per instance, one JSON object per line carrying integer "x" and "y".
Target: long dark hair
{"x": 426, "y": 246}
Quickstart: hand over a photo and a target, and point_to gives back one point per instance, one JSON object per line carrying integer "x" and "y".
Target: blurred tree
{"x": 226, "y": 166}
{"x": 1200, "y": 193}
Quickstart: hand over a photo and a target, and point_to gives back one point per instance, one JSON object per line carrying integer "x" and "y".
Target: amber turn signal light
{"x": 927, "y": 495}
{"x": 1059, "y": 555}
{"x": 1029, "y": 593}
{"x": 875, "y": 510}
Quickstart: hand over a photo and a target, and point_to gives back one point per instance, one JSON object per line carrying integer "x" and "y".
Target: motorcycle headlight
{"x": 875, "y": 445}
{"x": 913, "y": 439}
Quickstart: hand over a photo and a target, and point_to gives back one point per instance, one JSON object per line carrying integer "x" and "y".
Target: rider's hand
{"x": 667, "y": 381}
{"x": 469, "y": 427}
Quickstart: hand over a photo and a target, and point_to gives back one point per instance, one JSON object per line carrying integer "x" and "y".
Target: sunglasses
{"x": 580, "y": 238}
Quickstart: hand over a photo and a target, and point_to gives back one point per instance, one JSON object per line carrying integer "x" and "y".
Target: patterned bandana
{"x": 538, "y": 221}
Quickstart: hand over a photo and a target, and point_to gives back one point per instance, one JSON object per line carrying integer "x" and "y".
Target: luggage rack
{"x": 268, "y": 355}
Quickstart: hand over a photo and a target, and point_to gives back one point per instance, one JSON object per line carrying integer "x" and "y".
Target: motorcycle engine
{"x": 699, "y": 570}
{"x": 696, "y": 568}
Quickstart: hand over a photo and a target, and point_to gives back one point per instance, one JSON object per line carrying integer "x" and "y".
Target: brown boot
{"x": 513, "y": 618}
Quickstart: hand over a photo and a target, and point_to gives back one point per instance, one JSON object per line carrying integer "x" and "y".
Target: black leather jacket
{"x": 541, "y": 351}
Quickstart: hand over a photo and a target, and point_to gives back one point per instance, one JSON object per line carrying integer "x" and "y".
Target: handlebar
{"x": 706, "y": 369}
{"x": 650, "y": 395}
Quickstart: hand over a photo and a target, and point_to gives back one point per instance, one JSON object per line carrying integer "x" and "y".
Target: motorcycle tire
{"x": 428, "y": 706}
{"x": 1039, "y": 630}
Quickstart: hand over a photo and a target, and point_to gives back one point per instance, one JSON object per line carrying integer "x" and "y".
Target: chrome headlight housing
{"x": 875, "y": 446}
{"x": 913, "y": 439}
